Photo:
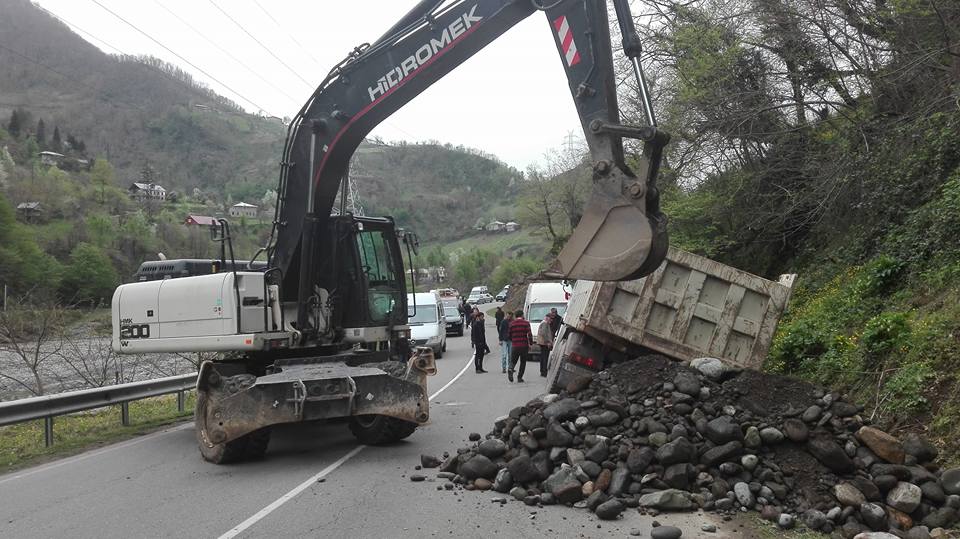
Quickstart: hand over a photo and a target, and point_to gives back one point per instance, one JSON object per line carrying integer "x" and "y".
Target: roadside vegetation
{"x": 22, "y": 445}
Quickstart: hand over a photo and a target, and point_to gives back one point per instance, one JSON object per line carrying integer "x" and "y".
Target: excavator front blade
{"x": 617, "y": 238}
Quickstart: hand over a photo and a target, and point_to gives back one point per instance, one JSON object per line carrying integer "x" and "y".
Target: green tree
{"x": 102, "y": 177}
{"x": 14, "y": 126}
{"x": 514, "y": 270}
{"x": 23, "y": 265}
{"x": 101, "y": 230}
{"x": 55, "y": 143}
{"x": 90, "y": 277}
{"x": 41, "y": 133}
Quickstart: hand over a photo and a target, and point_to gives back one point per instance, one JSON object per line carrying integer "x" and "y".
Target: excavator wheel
{"x": 257, "y": 442}
{"x": 380, "y": 429}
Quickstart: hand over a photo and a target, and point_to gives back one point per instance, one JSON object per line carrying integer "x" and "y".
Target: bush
{"x": 90, "y": 277}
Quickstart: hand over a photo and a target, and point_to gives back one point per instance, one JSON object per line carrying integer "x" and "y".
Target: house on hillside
{"x": 242, "y": 209}
{"x": 495, "y": 226}
{"x": 200, "y": 220}
{"x": 29, "y": 212}
{"x": 511, "y": 226}
{"x": 147, "y": 191}
{"x": 50, "y": 158}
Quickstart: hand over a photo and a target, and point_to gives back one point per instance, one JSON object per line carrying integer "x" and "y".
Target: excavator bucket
{"x": 617, "y": 239}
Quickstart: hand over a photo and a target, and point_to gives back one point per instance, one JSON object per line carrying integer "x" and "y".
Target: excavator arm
{"x": 622, "y": 234}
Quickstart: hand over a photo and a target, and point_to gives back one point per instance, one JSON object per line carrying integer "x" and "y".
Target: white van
{"x": 541, "y": 297}
{"x": 428, "y": 327}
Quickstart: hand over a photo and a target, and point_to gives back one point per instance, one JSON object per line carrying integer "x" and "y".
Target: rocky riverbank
{"x": 657, "y": 435}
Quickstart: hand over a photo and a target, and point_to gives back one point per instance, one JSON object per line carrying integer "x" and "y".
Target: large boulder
{"x": 564, "y": 486}
{"x": 830, "y": 455}
{"x": 686, "y": 382}
{"x": 679, "y": 450}
{"x": 557, "y": 436}
{"x": 668, "y": 500}
{"x": 921, "y": 449}
{"x": 610, "y": 509}
{"x": 882, "y": 444}
{"x": 522, "y": 469}
{"x": 562, "y": 409}
{"x": 722, "y": 453}
{"x": 849, "y": 495}
{"x": 492, "y": 448}
{"x": 639, "y": 458}
{"x": 904, "y": 497}
{"x": 478, "y": 466}
{"x": 950, "y": 481}
{"x": 723, "y": 429}
{"x": 712, "y": 368}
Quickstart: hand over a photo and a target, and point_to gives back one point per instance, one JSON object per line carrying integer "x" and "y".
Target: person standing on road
{"x": 498, "y": 316}
{"x": 545, "y": 342}
{"x": 465, "y": 310}
{"x": 503, "y": 331}
{"x": 478, "y": 336}
{"x": 520, "y": 339}
{"x": 555, "y": 321}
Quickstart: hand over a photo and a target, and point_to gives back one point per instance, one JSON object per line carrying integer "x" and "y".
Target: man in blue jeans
{"x": 503, "y": 332}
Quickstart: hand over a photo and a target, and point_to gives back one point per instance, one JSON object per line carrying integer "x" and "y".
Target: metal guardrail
{"x": 47, "y": 407}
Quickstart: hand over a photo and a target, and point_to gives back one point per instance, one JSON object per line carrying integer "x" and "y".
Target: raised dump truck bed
{"x": 690, "y": 307}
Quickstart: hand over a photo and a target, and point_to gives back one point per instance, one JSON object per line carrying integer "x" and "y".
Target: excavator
{"x": 318, "y": 330}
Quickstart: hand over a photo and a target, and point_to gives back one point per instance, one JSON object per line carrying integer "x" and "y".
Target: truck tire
{"x": 380, "y": 429}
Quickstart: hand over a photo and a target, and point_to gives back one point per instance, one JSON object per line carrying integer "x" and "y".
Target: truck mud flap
{"x": 229, "y": 407}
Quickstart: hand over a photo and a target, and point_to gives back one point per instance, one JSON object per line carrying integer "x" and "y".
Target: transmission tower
{"x": 353, "y": 204}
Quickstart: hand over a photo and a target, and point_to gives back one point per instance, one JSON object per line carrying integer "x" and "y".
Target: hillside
{"x": 129, "y": 110}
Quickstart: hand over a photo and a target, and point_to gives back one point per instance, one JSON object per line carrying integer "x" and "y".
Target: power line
{"x": 284, "y": 64}
{"x": 188, "y": 62}
{"x": 68, "y": 77}
{"x": 288, "y": 34}
{"x": 77, "y": 28}
{"x": 189, "y": 86}
{"x": 225, "y": 51}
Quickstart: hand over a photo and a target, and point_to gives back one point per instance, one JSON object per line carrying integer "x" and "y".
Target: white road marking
{"x": 290, "y": 495}
{"x": 246, "y": 524}
{"x": 455, "y": 378}
{"x": 90, "y": 454}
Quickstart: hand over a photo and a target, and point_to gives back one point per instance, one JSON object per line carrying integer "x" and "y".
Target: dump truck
{"x": 690, "y": 307}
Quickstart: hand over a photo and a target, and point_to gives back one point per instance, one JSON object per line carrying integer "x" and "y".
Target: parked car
{"x": 453, "y": 319}
{"x": 480, "y": 298}
{"x": 502, "y": 295}
{"x": 427, "y": 321}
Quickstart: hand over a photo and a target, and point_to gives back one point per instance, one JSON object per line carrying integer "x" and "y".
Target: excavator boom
{"x": 622, "y": 234}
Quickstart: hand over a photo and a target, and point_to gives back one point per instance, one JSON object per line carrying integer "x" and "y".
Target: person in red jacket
{"x": 520, "y": 339}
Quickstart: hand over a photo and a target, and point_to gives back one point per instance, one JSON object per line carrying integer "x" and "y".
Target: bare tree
{"x": 29, "y": 338}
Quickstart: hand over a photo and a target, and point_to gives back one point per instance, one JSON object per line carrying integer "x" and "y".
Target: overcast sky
{"x": 511, "y": 99}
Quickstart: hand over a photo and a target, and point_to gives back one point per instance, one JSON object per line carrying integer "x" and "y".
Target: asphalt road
{"x": 316, "y": 481}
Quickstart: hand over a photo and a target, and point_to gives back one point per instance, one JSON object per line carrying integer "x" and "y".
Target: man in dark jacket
{"x": 555, "y": 321}
{"x": 478, "y": 336}
{"x": 498, "y": 316}
{"x": 520, "y": 339}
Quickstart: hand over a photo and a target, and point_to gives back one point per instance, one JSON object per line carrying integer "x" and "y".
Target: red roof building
{"x": 200, "y": 220}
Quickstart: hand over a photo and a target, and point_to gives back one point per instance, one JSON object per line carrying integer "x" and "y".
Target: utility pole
{"x": 569, "y": 143}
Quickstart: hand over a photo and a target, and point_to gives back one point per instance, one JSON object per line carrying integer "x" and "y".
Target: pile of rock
{"x": 658, "y": 435}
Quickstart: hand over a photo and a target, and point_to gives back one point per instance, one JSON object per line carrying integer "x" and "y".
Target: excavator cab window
{"x": 378, "y": 255}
